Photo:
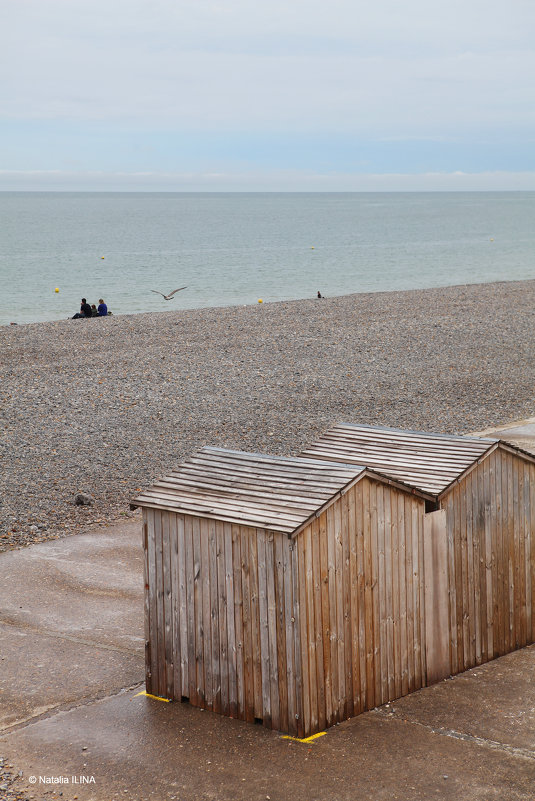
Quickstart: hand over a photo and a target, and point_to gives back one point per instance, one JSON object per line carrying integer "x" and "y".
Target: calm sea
{"x": 236, "y": 248}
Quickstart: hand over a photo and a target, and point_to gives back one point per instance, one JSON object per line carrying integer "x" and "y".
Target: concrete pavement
{"x": 71, "y": 621}
{"x": 521, "y": 433}
{"x": 72, "y": 716}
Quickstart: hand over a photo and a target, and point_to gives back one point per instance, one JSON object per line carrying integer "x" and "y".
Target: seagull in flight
{"x": 170, "y": 295}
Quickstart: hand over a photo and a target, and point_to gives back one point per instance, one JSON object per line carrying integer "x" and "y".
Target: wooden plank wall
{"x": 436, "y": 597}
{"x": 491, "y": 560}
{"x": 360, "y": 585}
{"x": 300, "y": 634}
{"x": 221, "y": 616}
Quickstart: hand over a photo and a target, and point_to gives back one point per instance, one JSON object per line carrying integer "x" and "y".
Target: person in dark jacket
{"x": 85, "y": 310}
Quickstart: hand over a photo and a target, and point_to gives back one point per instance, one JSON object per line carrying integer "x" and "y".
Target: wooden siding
{"x": 490, "y": 517}
{"x": 221, "y": 612}
{"x": 436, "y": 597}
{"x": 362, "y": 625}
{"x": 296, "y": 633}
{"x": 300, "y": 633}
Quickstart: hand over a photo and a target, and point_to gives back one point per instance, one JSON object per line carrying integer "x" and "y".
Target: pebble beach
{"x": 104, "y": 406}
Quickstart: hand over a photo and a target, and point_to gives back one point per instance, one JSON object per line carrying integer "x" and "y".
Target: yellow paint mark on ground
{"x": 156, "y": 697}
{"x": 306, "y": 739}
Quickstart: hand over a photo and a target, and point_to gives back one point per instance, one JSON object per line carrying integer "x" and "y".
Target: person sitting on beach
{"x": 102, "y": 308}
{"x": 85, "y": 310}
{"x": 94, "y": 312}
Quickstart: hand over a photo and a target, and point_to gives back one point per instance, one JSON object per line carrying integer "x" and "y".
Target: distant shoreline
{"x": 231, "y": 249}
{"x": 185, "y": 310}
{"x": 148, "y": 191}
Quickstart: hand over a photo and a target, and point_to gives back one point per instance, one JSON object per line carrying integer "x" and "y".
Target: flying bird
{"x": 170, "y": 295}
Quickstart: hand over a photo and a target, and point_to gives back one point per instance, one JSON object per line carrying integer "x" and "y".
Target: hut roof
{"x": 253, "y": 489}
{"x": 427, "y": 461}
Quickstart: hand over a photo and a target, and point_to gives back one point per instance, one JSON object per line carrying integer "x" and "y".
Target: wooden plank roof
{"x": 251, "y": 489}
{"x": 430, "y": 462}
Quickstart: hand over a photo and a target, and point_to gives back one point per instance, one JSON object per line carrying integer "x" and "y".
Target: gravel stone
{"x": 146, "y": 391}
{"x": 9, "y": 785}
{"x": 81, "y": 499}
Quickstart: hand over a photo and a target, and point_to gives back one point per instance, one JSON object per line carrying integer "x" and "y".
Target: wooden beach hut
{"x": 288, "y": 592}
{"x": 479, "y": 531}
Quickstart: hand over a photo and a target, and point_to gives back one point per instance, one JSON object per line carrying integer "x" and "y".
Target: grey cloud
{"x": 239, "y": 64}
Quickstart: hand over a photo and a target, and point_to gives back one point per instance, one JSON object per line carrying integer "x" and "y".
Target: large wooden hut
{"x": 483, "y": 522}
{"x": 284, "y": 591}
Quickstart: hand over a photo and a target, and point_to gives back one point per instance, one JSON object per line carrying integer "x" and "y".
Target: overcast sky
{"x": 267, "y": 94}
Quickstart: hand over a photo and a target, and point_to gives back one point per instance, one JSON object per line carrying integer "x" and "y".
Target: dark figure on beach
{"x": 102, "y": 308}
{"x": 319, "y": 294}
{"x": 94, "y": 312}
{"x": 85, "y": 310}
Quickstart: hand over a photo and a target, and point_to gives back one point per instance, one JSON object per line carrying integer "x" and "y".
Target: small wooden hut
{"x": 284, "y": 591}
{"x": 482, "y": 523}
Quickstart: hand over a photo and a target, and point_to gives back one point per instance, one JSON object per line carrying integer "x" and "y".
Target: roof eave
{"x": 516, "y": 450}
{"x": 498, "y": 444}
{"x": 365, "y": 473}
{"x": 265, "y": 525}
{"x": 468, "y": 470}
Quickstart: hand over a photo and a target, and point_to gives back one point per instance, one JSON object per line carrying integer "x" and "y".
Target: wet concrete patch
{"x": 89, "y": 586}
{"x": 71, "y": 621}
{"x": 494, "y": 702}
{"x": 143, "y": 749}
{"x": 39, "y": 673}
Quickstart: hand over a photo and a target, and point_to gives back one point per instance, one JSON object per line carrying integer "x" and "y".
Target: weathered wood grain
{"x": 371, "y": 599}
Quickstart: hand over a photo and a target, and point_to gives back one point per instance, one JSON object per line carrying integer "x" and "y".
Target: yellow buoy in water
{"x": 102, "y": 257}
{"x": 312, "y": 247}
{"x": 260, "y": 300}
{"x": 56, "y": 289}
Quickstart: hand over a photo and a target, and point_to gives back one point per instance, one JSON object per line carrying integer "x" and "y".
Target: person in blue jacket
{"x": 102, "y": 308}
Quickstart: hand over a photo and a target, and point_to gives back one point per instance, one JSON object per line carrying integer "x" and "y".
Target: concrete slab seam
{"x": 67, "y": 707}
{"x": 458, "y": 735}
{"x": 70, "y": 638}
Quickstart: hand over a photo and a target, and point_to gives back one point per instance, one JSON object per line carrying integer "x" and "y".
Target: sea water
{"x": 237, "y": 248}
